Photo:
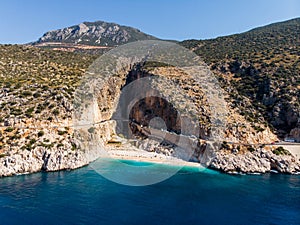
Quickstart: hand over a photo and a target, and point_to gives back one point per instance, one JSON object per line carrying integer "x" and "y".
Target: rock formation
{"x": 97, "y": 33}
{"x": 38, "y": 87}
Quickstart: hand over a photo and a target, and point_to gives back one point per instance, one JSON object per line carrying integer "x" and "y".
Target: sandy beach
{"x": 144, "y": 156}
{"x": 126, "y": 151}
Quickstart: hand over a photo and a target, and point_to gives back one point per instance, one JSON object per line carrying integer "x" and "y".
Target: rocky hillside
{"x": 98, "y": 34}
{"x": 36, "y": 92}
{"x": 260, "y": 70}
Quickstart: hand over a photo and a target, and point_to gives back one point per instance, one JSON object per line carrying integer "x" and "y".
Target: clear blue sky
{"x": 25, "y": 21}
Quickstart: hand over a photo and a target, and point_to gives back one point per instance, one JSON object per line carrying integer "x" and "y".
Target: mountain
{"x": 260, "y": 71}
{"x": 98, "y": 34}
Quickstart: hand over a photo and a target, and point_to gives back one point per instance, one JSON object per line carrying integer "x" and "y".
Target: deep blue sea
{"x": 190, "y": 197}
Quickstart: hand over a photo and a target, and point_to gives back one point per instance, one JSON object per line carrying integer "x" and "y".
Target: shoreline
{"x": 144, "y": 156}
{"x": 139, "y": 155}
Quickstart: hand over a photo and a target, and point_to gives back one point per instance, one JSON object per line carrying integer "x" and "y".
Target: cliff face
{"x": 260, "y": 161}
{"x": 42, "y": 159}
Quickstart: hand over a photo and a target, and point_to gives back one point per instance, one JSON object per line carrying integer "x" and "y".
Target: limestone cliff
{"x": 37, "y": 92}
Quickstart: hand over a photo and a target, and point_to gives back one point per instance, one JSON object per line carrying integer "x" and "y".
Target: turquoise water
{"x": 190, "y": 197}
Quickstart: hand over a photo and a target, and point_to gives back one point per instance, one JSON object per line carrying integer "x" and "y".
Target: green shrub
{"x": 26, "y": 93}
{"x": 62, "y": 132}
{"x": 55, "y": 112}
{"x": 29, "y": 112}
{"x": 59, "y": 145}
{"x": 9, "y": 129}
{"x": 73, "y": 147}
{"x": 225, "y": 145}
{"x": 281, "y": 151}
{"x": 3, "y": 155}
{"x": 40, "y": 133}
{"x": 36, "y": 95}
{"x": 32, "y": 141}
{"x": 250, "y": 149}
{"x": 16, "y": 112}
{"x": 91, "y": 130}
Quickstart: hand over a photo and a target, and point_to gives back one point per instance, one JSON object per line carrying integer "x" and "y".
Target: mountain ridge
{"x": 98, "y": 33}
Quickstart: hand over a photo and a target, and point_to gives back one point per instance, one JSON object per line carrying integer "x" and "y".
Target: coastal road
{"x": 293, "y": 148}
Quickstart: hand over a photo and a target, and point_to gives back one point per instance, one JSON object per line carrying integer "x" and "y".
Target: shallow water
{"x": 191, "y": 196}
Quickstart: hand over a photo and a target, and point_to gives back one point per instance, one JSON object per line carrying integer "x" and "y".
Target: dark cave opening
{"x": 134, "y": 114}
{"x": 149, "y": 108}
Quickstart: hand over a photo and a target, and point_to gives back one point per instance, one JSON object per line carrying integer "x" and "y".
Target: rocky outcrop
{"x": 41, "y": 159}
{"x": 97, "y": 33}
{"x": 260, "y": 161}
{"x": 51, "y": 149}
